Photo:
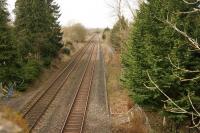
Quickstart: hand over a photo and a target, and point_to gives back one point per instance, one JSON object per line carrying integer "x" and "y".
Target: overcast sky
{"x": 91, "y": 13}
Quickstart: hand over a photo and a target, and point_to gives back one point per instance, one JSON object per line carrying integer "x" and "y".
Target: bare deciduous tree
{"x": 76, "y": 33}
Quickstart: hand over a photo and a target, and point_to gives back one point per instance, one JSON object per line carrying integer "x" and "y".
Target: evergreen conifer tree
{"x": 150, "y": 45}
{"x": 55, "y": 34}
{"x": 38, "y": 30}
{"x": 32, "y": 27}
{"x": 7, "y": 48}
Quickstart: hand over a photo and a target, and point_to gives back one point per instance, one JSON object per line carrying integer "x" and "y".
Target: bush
{"x": 27, "y": 73}
{"x": 31, "y": 70}
{"x": 47, "y": 61}
{"x": 105, "y": 32}
{"x": 104, "y": 37}
{"x": 66, "y": 51}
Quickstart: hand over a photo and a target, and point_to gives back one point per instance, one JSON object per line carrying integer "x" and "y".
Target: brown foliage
{"x": 14, "y": 117}
{"x": 75, "y": 33}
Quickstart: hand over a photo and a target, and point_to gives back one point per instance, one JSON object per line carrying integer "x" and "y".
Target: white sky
{"x": 91, "y": 13}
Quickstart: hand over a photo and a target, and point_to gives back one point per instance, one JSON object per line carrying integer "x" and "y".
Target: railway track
{"x": 74, "y": 121}
{"x": 35, "y": 110}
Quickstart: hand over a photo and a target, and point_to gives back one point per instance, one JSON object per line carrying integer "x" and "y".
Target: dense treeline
{"x": 7, "y": 47}
{"x": 30, "y": 43}
{"x": 160, "y": 63}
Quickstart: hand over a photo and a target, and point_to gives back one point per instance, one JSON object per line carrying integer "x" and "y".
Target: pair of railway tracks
{"x": 36, "y": 109}
{"x": 75, "y": 119}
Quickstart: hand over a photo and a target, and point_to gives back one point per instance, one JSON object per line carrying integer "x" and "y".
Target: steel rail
{"x": 77, "y": 56}
{"x": 39, "y": 115}
{"x": 63, "y": 129}
{"x": 57, "y": 77}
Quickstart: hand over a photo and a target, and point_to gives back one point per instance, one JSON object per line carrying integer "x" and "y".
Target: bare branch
{"x": 130, "y": 8}
{"x": 181, "y": 109}
{"x": 191, "y": 3}
{"x": 150, "y": 88}
{"x": 119, "y": 8}
{"x": 184, "y": 80}
{"x": 193, "y": 43}
{"x": 192, "y": 104}
{"x": 195, "y": 10}
{"x": 182, "y": 69}
{"x": 173, "y": 107}
{"x": 196, "y": 125}
{"x": 177, "y": 109}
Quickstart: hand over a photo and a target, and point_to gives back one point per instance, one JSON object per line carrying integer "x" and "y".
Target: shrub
{"x": 47, "y": 61}
{"x": 66, "y": 51}
{"x": 28, "y": 72}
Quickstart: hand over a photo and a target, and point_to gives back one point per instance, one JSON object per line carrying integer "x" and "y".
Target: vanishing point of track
{"x": 35, "y": 110}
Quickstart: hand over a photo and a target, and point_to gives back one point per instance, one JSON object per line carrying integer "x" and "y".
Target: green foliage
{"x": 105, "y": 32}
{"x": 26, "y": 73}
{"x": 37, "y": 28}
{"x": 55, "y": 37}
{"x": 118, "y": 33}
{"x": 66, "y": 51}
{"x": 34, "y": 39}
{"x": 30, "y": 71}
{"x": 47, "y": 61}
{"x": 148, "y": 49}
{"x": 7, "y": 47}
